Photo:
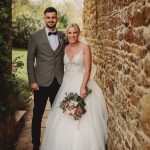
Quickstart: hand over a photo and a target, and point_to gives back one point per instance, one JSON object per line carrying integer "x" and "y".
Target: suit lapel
{"x": 45, "y": 39}
{"x": 60, "y": 40}
{"x": 60, "y": 44}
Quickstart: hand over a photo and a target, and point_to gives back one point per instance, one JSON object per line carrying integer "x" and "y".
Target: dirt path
{"x": 24, "y": 141}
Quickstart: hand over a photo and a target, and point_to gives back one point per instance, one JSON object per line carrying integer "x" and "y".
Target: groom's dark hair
{"x": 50, "y": 9}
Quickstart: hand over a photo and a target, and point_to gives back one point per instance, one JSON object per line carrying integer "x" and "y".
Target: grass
{"x": 21, "y": 72}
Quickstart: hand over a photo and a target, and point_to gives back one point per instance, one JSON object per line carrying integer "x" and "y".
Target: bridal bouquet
{"x": 74, "y": 105}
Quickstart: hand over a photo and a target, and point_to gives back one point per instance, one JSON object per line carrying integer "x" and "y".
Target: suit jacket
{"x": 42, "y": 63}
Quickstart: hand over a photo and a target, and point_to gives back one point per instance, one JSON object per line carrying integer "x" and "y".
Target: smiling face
{"x": 73, "y": 34}
{"x": 50, "y": 19}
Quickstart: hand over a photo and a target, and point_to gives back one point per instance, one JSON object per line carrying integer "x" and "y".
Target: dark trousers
{"x": 40, "y": 99}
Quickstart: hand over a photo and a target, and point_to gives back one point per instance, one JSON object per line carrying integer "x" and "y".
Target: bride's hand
{"x": 83, "y": 92}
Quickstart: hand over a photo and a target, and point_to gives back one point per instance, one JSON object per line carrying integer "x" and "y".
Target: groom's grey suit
{"x": 49, "y": 63}
{"x": 45, "y": 67}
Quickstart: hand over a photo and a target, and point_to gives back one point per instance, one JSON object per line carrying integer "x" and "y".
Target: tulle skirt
{"x": 88, "y": 133}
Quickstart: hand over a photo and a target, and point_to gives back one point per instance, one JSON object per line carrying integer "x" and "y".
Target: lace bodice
{"x": 75, "y": 67}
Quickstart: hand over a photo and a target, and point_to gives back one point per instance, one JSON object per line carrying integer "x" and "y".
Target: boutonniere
{"x": 64, "y": 41}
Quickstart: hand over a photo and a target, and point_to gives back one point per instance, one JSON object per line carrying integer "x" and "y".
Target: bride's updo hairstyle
{"x": 75, "y": 25}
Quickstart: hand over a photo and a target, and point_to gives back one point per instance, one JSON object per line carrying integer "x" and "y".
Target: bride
{"x": 90, "y": 132}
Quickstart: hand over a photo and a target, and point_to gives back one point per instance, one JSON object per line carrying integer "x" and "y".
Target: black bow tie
{"x": 50, "y": 33}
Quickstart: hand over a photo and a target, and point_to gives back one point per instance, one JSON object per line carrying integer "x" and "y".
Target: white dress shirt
{"x": 52, "y": 39}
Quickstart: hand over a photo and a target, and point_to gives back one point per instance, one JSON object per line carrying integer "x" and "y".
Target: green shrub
{"x": 9, "y": 86}
{"x": 23, "y": 27}
{"x": 63, "y": 21}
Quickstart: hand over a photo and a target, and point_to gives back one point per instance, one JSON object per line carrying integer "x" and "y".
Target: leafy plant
{"x": 63, "y": 20}
{"x": 23, "y": 27}
{"x": 9, "y": 86}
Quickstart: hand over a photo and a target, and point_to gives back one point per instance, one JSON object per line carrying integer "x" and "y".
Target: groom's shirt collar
{"x": 47, "y": 30}
{"x": 53, "y": 39}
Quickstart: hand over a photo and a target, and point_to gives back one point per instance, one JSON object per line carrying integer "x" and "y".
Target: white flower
{"x": 75, "y": 103}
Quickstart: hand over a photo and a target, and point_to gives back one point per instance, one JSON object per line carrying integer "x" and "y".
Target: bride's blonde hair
{"x": 75, "y": 25}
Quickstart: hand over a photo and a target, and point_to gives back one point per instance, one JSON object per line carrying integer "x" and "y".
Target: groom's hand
{"x": 34, "y": 86}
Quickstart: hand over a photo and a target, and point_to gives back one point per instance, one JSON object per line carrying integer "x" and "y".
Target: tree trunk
{"x": 5, "y": 69}
{"x": 9, "y": 40}
{"x": 6, "y": 32}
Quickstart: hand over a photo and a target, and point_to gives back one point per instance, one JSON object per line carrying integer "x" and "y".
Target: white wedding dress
{"x": 88, "y": 133}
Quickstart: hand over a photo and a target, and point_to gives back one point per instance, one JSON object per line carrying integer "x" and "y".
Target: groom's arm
{"x": 31, "y": 60}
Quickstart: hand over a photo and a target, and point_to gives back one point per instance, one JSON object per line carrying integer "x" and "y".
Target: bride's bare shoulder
{"x": 85, "y": 47}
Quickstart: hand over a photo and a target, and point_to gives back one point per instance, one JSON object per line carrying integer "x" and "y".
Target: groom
{"x": 45, "y": 68}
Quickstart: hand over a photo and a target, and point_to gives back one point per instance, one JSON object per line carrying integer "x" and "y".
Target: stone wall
{"x": 118, "y": 32}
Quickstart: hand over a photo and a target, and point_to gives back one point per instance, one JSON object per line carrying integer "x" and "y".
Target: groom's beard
{"x": 51, "y": 26}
